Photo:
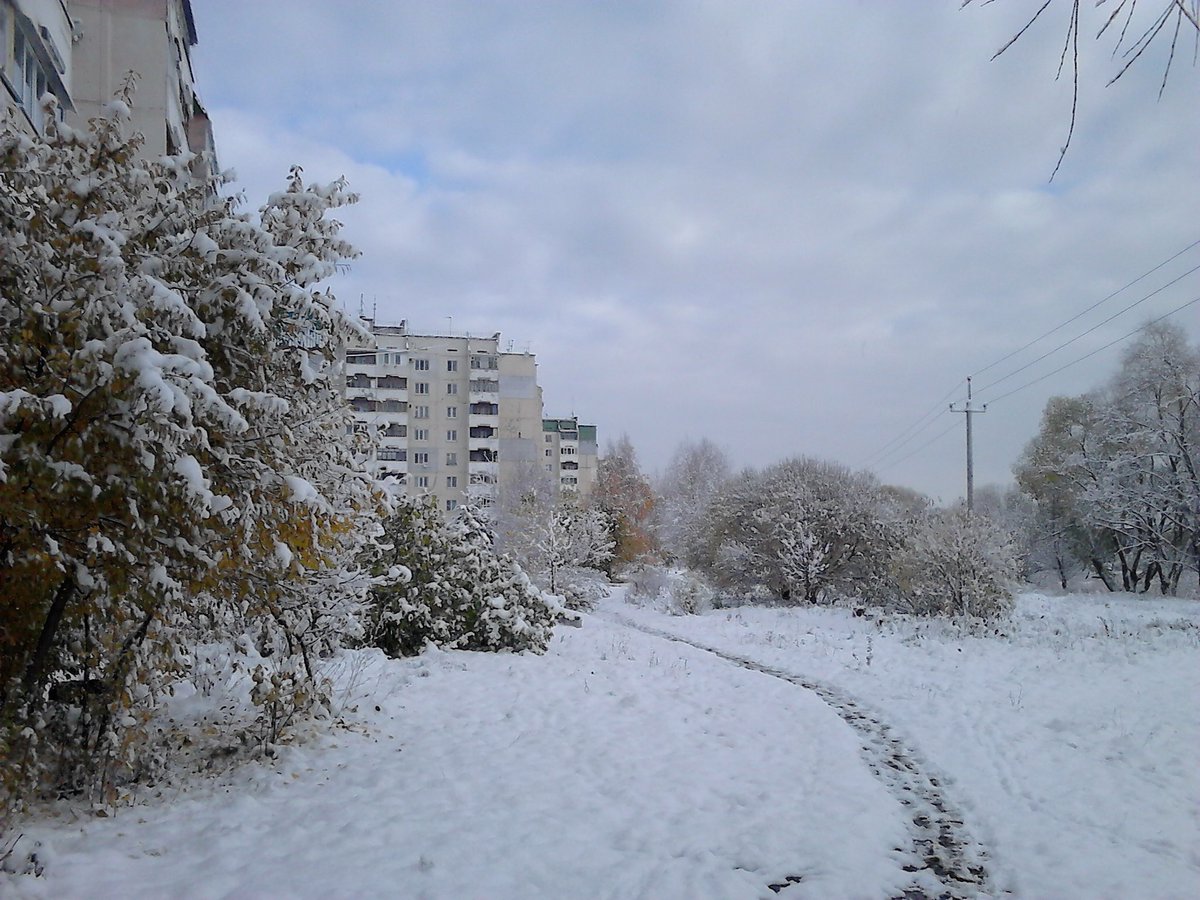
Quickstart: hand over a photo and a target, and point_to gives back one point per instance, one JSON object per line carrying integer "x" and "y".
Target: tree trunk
{"x": 54, "y": 616}
{"x": 1099, "y": 567}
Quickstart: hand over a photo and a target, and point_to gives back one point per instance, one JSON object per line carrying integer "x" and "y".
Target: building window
{"x": 451, "y": 505}
{"x": 485, "y": 456}
{"x": 420, "y": 412}
{"x": 483, "y": 361}
{"x": 392, "y": 454}
{"x": 392, "y": 405}
{"x": 451, "y": 435}
{"x": 394, "y": 382}
{"x": 484, "y": 386}
{"x": 452, "y": 459}
{"x": 549, "y": 467}
{"x": 452, "y": 388}
{"x": 485, "y": 409}
{"x": 451, "y": 412}
{"x": 394, "y": 430}
{"x": 420, "y": 434}
{"x": 422, "y": 481}
{"x": 452, "y": 365}
{"x": 421, "y": 365}
{"x": 568, "y": 451}
{"x": 421, "y": 387}
{"x": 549, "y": 439}
{"x": 421, "y": 457}
{"x": 360, "y": 359}
{"x": 549, "y": 452}
{"x": 26, "y": 77}
{"x": 451, "y": 481}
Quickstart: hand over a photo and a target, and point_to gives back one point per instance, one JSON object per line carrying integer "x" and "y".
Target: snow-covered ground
{"x": 622, "y": 764}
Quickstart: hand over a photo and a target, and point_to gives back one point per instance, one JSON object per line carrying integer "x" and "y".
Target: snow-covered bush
{"x": 582, "y": 588}
{"x": 690, "y": 594}
{"x": 647, "y": 581}
{"x": 674, "y": 591}
{"x": 443, "y": 583}
{"x": 175, "y": 464}
{"x": 954, "y": 563}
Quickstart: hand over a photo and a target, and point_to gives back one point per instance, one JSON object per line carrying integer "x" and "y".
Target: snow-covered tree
{"x": 625, "y": 495}
{"x": 804, "y": 529}
{"x": 562, "y": 545}
{"x": 1114, "y": 473}
{"x": 174, "y": 459}
{"x": 698, "y": 469}
{"x": 573, "y": 547}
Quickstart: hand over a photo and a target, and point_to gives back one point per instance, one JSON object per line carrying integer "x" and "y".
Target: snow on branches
{"x": 165, "y": 385}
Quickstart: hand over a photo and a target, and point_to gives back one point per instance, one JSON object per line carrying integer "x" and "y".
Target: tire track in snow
{"x": 945, "y": 861}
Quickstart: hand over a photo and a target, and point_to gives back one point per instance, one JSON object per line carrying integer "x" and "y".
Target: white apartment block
{"x": 570, "y": 455}
{"x": 81, "y": 50}
{"x": 455, "y": 415}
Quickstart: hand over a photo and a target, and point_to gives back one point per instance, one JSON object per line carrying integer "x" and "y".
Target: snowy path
{"x": 620, "y": 765}
{"x": 1067, "y": 738}
{"x": 945, "y": 860}
{"x": 615, "y": 766}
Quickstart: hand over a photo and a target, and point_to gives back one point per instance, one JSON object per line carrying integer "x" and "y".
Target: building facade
{"x": 82, "y": 50}
{"x": 455, "y": 416}
{"x": 37, "y": 42}
{"x": 570, "y": 455}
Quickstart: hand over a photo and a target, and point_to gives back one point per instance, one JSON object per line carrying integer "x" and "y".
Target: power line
{"x": 884, "y": 451}
{"x": 1080, "y": 315}
{"x": 1097, "y": 350}
{"x": 1100, "y": 324}
{"x": 931, "y": 441}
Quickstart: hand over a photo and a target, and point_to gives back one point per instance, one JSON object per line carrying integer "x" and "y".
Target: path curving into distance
{"x": 945, "y": 861}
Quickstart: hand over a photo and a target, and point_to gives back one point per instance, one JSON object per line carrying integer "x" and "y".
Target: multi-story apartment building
{"x": 81, "y": 50}
{"x": 569, "y": 452}
{"x": 152, "y": 38}
{"x": 455, "y": 415}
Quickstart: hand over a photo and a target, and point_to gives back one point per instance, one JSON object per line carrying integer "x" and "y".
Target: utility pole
{"x": 969, "y": 411}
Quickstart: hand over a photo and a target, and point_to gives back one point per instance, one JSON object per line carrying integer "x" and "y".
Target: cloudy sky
{"x": 792, "y": 227}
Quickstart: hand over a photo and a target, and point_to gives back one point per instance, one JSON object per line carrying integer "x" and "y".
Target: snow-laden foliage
{"x": 696, "y": 472}
{"x": 675, "y": 591}
{"x": 625, "y": 496}
{"x": 805, "y": 530}
{"x": 563, "y": 546}
{"x": 174, "y": 459}
{"x": 1116, "y": 472}
{"x": 443, "y": 583}
{"x": 953, "y": 563}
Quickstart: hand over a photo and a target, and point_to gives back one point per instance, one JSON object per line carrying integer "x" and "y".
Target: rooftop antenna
{"x": 450, "y": 332}
{"x": 374, "y": 307}
{"x": 361, "y": 309}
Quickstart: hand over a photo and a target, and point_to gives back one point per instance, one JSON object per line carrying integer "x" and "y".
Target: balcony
{"x": 484, "y": 444}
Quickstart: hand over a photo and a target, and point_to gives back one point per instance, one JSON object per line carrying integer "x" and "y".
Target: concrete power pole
{"x": 969, "y": 411}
